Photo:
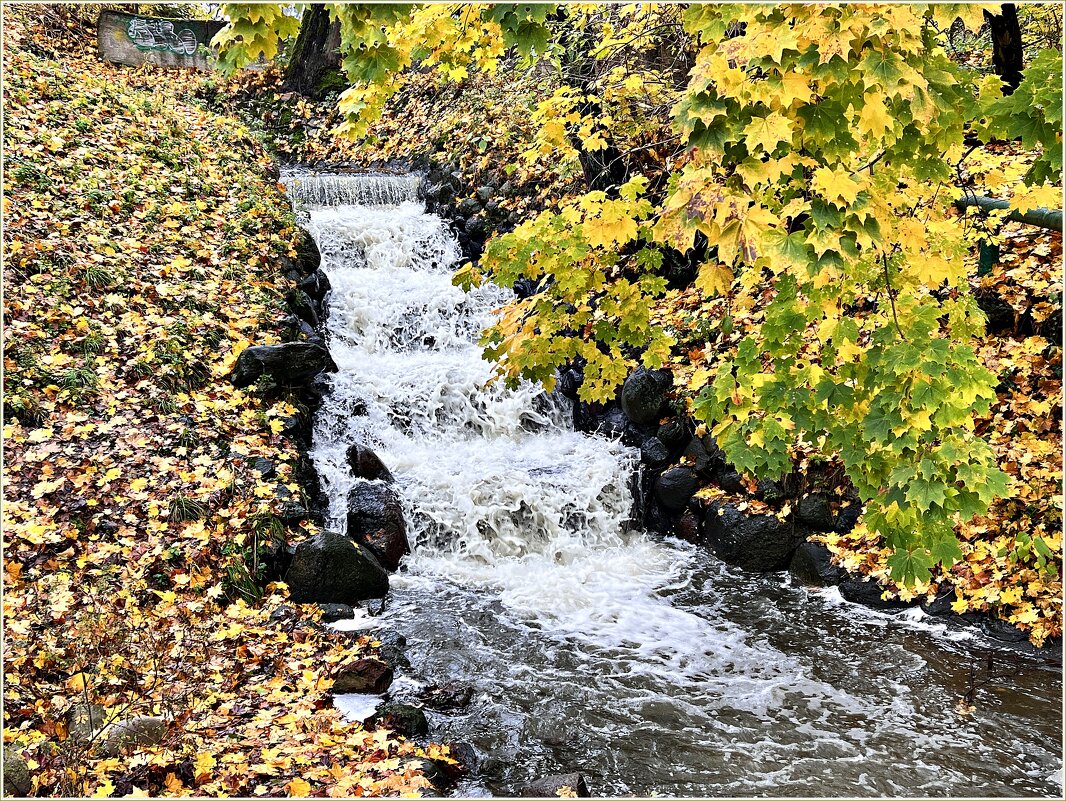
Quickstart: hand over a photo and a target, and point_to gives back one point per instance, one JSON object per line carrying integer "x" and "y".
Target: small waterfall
{"x": 363, "y": 190}
{"x": 648, "y": 664}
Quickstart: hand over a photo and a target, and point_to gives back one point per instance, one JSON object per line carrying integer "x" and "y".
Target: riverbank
{"x": 1009, "y": 573}
{"x": 146, "y": 499}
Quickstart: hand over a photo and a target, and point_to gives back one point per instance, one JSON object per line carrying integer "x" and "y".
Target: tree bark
{"x": 314, "y": 65}
{"x": 1006, "y": 46}
{"x": 1042, "y": 218}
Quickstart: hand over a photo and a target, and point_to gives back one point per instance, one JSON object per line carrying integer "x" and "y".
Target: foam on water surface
{"x": 647, "y": 664}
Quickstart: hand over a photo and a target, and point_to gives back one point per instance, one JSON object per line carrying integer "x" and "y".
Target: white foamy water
{"x": 647, "y": 664}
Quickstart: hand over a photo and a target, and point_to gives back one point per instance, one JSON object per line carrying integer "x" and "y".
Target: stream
{"x": 647, "y": 664}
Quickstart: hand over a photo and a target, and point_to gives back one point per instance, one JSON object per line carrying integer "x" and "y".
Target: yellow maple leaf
{"x": 768, "y": 132}
{"x": 835, "y": 185}
{"x": 714, "y": 279}
{"x": 874, "y": 119}
{"x": 298, "y": 788}
{"x": 1045, "y": 196}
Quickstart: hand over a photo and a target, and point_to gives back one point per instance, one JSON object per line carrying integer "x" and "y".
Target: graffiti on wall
{"x": 159, "y": 34}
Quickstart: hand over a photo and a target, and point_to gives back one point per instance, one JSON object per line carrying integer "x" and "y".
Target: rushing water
{"x": 648, "y": 665}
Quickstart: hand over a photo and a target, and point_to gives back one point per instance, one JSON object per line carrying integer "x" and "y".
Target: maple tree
{"x": 848, "y": 327}
{"x": 822, "y": 147}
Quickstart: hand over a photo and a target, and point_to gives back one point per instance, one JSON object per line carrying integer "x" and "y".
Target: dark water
{"x": 757, "y": 688}
{"x": 649, "y": 666}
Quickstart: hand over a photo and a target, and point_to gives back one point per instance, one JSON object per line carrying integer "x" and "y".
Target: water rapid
{"x": 648, "y": 665}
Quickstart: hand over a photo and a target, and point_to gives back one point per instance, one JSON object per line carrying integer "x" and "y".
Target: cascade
{"x": 648, "y": 664}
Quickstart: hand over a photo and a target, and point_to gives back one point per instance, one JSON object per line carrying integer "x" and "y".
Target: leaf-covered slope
{"x": 142, "y": 242}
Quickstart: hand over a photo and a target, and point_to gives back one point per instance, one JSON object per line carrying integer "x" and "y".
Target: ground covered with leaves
{"x": 142, "y": 241}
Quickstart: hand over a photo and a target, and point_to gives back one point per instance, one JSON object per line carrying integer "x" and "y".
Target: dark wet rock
{"x": 392, "y": 648}
{"x": 434, "y": 770}
{"x": 302, "y": 306}
{"x": 469, "y": 207}
{"x": 868, "y": 593}
{"x": 940, "y": 605}
{"x": 705, "y": 455}
{"x": 770, "y": 491}
{"x": 612, "y": 423}
{"x": 404, "y": 719}
{"x": 644, "y": 394}
{"x": 140, "y": 731}
{"x": 266, "y": 468}
{"x": 367, "y": 464}
{"x": 812, "y": 566}
{"x": 675, "y": 434}
{"x": 656, "y": 518}
{"x": 569, "y": 382}
{"x": 315, "y": 286}
{"x": 466, "y": 757}
{"x": 308, "y": 258}
{"x": 731, "y": 482}
{"x": 329, "y": 568}
{"x": 290, "y": 364}
{"x": 556, "y": 786}
{"x": 1002, "y": 630}
{"x": 331, "y": 613}
{"x": 675, "y": 487}
{"x": 848, "y": 517}
{"x": 375, "y": 519}
{"x": 654, "y": 453}
{"x": 17, "y": 779}
{"x": 753, "y": 542}
{"x": 689, "y": 527}
{"x": 447, "y": 697}
{"x": 814, "y": 511}
{"x": 635, "y": 436}
{"x": 363, "y": 676}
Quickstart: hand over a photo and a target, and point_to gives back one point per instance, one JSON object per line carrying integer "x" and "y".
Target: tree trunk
{"x": 1006, "y": 46}
{"x": 606, "y": 168}
{"x": 314, "y": 66}
{"x": 1042, "y": 218}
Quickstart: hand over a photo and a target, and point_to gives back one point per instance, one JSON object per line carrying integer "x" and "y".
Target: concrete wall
{"x": 134, "y": 40}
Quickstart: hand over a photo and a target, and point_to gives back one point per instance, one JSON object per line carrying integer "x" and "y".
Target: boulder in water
{"x": 329, "y": 568}
{"x": 868, "y": 593}
{"x": 812, "y": 566}
{"x": 675, "y": 487}
{"x": 290, "y": 364}
{"x": 688, "y": 527}
{"x": 315, "y": 286}
{"x": 654, "y": 453}
{"x": 405, "y": 719}
{"x": 307, "y": 256}
{"x": 375, "y": 519}
{"x": 675, "y": 434}
{"x": 814, "y": 511}
{"x": 447, "y": 697}
{"x": 560, "y": 785}
{"x": 367, "y": 464}
{"x": 644, "y": 394}
{"x": 754, "y": 542}
{"x": 331, "y": 613}
{"x": 302, "y": 307}
{"x": 363, "y": 676}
